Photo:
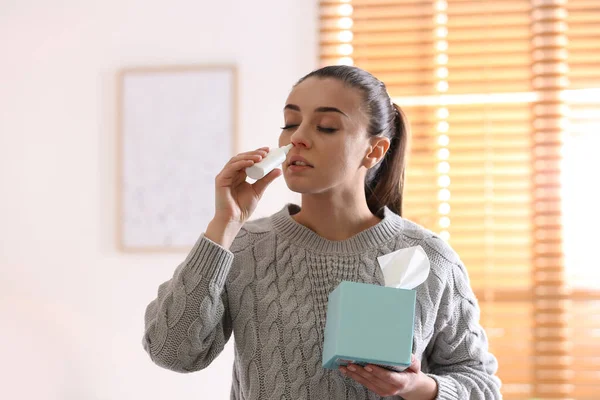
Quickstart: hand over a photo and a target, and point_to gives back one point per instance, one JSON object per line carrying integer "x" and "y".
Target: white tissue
{"x": 405, "y": 268}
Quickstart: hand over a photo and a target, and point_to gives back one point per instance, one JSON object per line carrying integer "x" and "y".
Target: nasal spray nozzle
{"x": 274, "y": 159}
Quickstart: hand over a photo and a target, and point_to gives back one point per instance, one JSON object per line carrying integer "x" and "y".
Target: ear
{"x": 376, "y": 151}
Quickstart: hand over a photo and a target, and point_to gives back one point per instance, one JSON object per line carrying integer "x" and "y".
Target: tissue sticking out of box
{"x": 405, "y": 268}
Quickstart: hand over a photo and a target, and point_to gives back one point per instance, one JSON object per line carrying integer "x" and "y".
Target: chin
{"x": 300, "y": 186}
{"x": 296, "y": 188}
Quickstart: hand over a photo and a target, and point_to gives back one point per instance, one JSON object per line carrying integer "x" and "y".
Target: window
{"x": 504, "y": 104}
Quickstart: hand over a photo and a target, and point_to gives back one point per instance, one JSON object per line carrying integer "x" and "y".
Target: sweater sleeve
{"x": 458, "y": 357}
{"x": 188, "y": 324}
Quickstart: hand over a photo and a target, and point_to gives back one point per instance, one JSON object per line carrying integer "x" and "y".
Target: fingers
{"x": 261, "y": 150}
{"x": 255, "y": 156}
{"x": 240, "y": 162}
{"x": 389, "y": 377}
{"x": 380, "y": 380}
{"x": 359, "y": 377}
{"x": 261, "y": 184}
{"x": 232, "y": 170}
{"x": 415, "y": 364}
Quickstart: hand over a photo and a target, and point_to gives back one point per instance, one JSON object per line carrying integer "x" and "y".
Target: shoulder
{"x": 446, "y": 265}
{"x": 448, "y": 282}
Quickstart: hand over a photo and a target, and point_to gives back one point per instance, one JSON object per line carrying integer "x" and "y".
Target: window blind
{"x": 502, "y": 98}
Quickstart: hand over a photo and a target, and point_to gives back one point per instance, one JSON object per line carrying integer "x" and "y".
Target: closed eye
{"x": 326, "y": 130}
{"x": 319, "y": 128}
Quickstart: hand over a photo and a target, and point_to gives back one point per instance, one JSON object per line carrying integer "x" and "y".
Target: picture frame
{"x": 176, "y": 128}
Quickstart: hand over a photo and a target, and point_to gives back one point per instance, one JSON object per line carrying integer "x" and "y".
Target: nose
{"x": 300, "y": 138}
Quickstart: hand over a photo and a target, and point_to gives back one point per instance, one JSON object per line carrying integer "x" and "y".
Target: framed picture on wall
{"x": 176, "y": 130}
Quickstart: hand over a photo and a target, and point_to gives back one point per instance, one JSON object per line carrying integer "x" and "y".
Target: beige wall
{"x": 71, "y": 305}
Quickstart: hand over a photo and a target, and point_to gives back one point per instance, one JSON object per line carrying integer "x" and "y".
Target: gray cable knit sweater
{"x": 270, "y": 289}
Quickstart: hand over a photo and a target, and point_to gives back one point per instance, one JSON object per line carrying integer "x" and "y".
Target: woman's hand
{"x": 236, "y": 199}
{"x": 409, "y": 384}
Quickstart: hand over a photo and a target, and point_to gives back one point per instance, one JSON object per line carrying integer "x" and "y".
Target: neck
{"x": 335, "y": 217}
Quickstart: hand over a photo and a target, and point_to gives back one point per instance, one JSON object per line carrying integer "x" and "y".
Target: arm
{"x": 188, "y": 324}
{"x": 458, "y": 356}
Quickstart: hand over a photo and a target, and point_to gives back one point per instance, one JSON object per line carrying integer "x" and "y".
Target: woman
{"x": 268, "y": 280}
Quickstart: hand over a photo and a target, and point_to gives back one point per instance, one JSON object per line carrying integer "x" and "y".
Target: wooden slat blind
{"x": 488, "y": 46}
{"x": 552, "y": 355}
{"x": 586, "y": 348}
{"x": 583, "y": 43}
{"x": 583, "y": 196}
{"x": 489, "y": 89}
{"x": 393, "y": 40}
{"x": 490, "y": 204}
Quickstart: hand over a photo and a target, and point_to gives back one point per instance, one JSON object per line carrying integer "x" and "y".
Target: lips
{"x": 299, "y": 161}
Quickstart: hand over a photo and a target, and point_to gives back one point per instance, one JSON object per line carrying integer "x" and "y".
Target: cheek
{"x": 283, "y": 139}
{"x": 343, "y": 162}
{"x": 353, "y": 156}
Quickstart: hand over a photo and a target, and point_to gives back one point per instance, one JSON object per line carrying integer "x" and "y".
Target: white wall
{"x": 71, "y": 305}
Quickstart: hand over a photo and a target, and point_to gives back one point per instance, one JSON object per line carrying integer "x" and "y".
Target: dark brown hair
{"x": 384, "y": 183}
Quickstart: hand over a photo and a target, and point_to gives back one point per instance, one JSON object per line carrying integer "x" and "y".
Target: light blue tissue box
{"x": 369, "y": 324}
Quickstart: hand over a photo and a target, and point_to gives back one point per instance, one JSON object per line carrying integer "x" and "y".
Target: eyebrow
{"x": 318, "y": 109}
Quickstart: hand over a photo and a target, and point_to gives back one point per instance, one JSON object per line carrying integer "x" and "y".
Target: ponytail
{"x": 384, "y": 187}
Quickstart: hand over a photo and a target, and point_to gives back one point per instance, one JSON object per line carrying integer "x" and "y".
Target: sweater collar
{"x": 370, "y": 238}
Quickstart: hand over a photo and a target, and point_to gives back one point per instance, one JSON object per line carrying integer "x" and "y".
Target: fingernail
{"x": 369, "y": 369}
{"x": 351, "y": 368}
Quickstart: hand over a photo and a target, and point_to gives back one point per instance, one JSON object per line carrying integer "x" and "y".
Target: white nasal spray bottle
{"x": 274, "y": 159}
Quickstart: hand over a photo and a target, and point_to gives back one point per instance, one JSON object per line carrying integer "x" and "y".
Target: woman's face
{"x": 324, "y": 121}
